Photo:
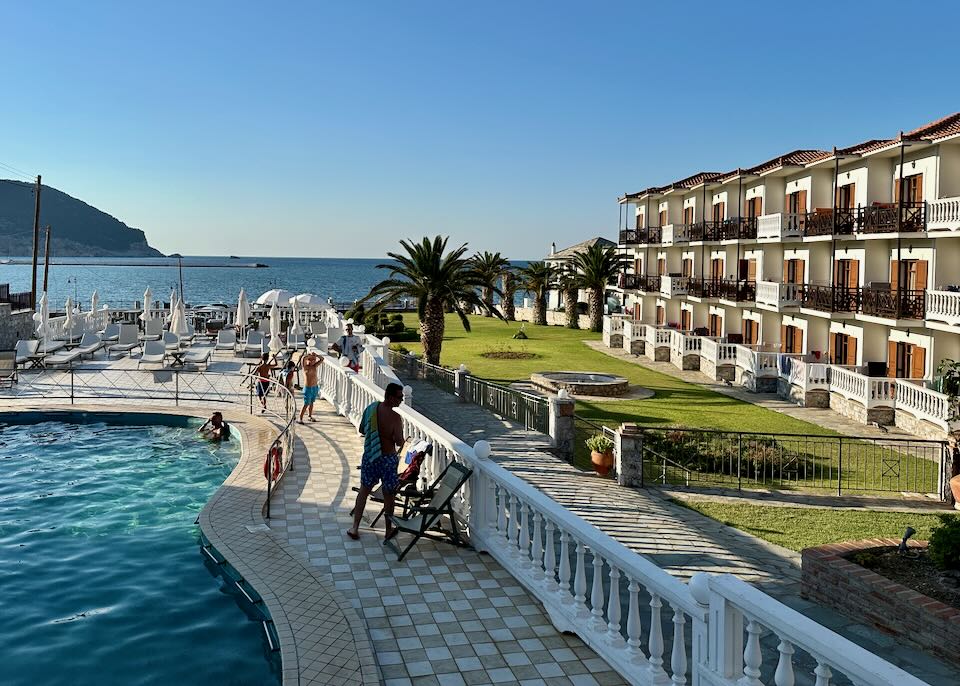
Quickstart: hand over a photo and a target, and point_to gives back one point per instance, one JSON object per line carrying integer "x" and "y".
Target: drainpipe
{"x": 899, "y": 227}
{"x": 703, "y": 241}
{"x": 833, "y": 234}
{"x": 646, "y": 260}
{"x": 739, "y": 225}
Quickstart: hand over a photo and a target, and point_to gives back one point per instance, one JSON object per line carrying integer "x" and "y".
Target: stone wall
{"x": 753, "y": 383}
{"x": 657, "y": 353}
{"x": 851, "y": 409}
{"x": 636, "y": 347}
{"x": 688, "y": 362}
{"x": 819, "y": 397}
{"x": 725, "y": 372}
{"x": 14, "y": 326}
{"x": 918, "y": 427}
{"x": 554, "y": 318}
{"x": 865, "y": 596}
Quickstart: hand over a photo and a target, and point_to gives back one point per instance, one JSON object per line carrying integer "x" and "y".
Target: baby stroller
{"x": 407, "y": 492}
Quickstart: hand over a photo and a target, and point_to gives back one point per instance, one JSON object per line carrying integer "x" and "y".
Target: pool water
{"x": 102, "y": 576}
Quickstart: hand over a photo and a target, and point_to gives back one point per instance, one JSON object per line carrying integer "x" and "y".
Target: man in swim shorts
{"x": 382, "y": 430}
{"x": 262, "y": 373}
{"x": 311, "y": 366}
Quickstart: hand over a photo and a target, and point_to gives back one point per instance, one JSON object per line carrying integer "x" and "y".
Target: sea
{"x": 121, "y": 281}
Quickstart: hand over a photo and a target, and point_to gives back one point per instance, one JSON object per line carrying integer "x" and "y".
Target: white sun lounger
{"x": 26, "y": 350}
{"x": 110, "y": 334}
{"x": 152, "y": 330}
{"x": 226, "y": 340}
{"x": 66, "y": 357}
{"x": 171, "y": 341}
{"x": 154, "y": 352}
{"x": 89, "y": 344}
{"x": 8, "y": 368}
{"x": 295, "y": 341}
{"x": 254, "y": 344}
{"x": 127, "y": 340}
{"x": 198, "y": 356}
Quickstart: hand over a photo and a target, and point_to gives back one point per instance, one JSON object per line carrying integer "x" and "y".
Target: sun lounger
{"x": 154, "y": 352}
{"x": 198, "y": 356}
{"x": 26, "y": 351}
{"x": 89, "y": 344}
{"x": 110, "y": 334}
{"x": 171, "y": 341}
{"x": 295, "y": 341}
{"x": 152, "y": 330}
{"x": 126, "y": 341}
{"x": 253, "y": 344}
{"x": 8, "y": 368}
{"x": 424, "y": 517}
{"x": 226, "y": 340}
{"x": 62, "y": 357}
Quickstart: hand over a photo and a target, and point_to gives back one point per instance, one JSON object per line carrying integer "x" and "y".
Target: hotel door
{"x": 843, "y": 349}
{"x": 751, "y": 332}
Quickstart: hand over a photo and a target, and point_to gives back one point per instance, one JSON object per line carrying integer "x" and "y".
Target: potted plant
{"x": 601, "y": 453}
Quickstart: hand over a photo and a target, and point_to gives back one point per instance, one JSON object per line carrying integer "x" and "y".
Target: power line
{"x": 18, "y": 172}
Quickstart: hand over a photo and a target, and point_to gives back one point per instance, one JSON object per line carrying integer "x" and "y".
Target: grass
{"x": 797, "y": 528}
{"x": 675, "y": 403}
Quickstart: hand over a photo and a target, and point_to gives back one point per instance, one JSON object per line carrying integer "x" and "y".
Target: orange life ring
{"x": 276, "y": 453}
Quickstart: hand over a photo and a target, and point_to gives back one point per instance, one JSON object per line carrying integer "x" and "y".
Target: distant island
{"x": 78, "y": 229}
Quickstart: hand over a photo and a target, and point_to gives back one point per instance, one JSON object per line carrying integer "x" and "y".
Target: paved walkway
{"x": 675, "y": 538}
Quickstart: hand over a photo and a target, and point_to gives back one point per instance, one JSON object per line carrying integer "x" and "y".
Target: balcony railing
{"x": 737, "y": 291}
{"x": 705, "y": 231}
{"x": 737, "y": 228}
{"x": 718, "y": 352}
{"x": 943, "y": 306}
{"x": 776, "y": 294}
{"x": 675, "y": 233}
{"x": 639, "y": 282}
{"x": 780, "y": 225}
{"x": 807, "y": 375}
{"x": 883, "y": 218}
{"x": 821, "y": 222}
{"x": 674, "y": 285}
{"x": 18, "y": 301}
{"x": 657, "y": 336}
{"x": 905, "y": 304}
{"x": 684, "y": 343}
{"x": 943, "y": 214}
{"x": 869, "y": 391}
{"x": 633, "y": 331}
{"x": 704, "y": 288}
{"x": 642, "y": 236}
{"x": 758, "y": 360}
{"x": 630, "y": 236}
{"x": 923, "y": 403}
{"x": 830, "y": 298}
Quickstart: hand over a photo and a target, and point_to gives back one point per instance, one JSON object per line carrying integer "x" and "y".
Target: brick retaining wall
{"x": 865, "y": 596}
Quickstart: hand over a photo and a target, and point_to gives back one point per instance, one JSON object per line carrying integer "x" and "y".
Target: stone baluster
{"x": 514, "y": 530}
{"x": 525, "y": 535}
{"x": 580, "y": 583}
{"x": 502, "y": 498}
{"x": 564, "y": 572}
{"x": 596, "y": 594}
{"x": 655, "y": 642}
{"x": 549, "y": 557}
{"x": 678, "y": 653}
{"x": 613, "y": 609}
{"x": 634, "y": 624}
{"x": 784, "y": 674}
{"x": 822, "y": 672}
{"x": 536, "y": 548}
{"x": 752, "y": 656}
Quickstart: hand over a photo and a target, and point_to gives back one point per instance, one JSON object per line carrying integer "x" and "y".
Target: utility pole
{"x": 46, "y": 259}
{"x": 36, "y": 243}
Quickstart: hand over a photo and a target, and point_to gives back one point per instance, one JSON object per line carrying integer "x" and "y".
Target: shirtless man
{"x": 215, "y": 428}
{"x": 311, "y": 389}
{"x": 262, "y": 372}
{"x": 382, "y": 431}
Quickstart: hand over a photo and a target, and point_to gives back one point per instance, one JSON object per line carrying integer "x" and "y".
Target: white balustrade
{"x": 717, "y": 351}
{"x": 759, "y": 363}
{"x": 866, "y": 390}
{"x": 943, "y": 214}
{"x": 563, "y": 561}
{"x": 923, "y": 403}
{"x": 633, "y": 331}
{"x": 943, "y": 306}
{"x": 768, "y": 226}
{"x": 673, "y": 285}
{"x": 612, "y": 326}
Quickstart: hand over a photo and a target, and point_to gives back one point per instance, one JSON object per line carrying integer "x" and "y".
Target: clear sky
{"x": 336, "y": 128}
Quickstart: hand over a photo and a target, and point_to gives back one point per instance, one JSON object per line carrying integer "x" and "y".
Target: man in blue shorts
{"x": 311, "y": 389}
{"x": 382, "y": 430}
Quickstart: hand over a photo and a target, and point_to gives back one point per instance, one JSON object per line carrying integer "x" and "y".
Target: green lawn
{"x": 676, "y": 403}
{"x": 797, "y": 528}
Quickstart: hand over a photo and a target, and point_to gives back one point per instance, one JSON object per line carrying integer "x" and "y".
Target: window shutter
{"x": 918, "y": 363}
{"x": 851, "y": 350}
{"x": 894, "y": 274}
{"x": 786, "y": 272}
{"x": 892, "y": 359}
{"x": 853, "y": 278}
{"x": 918, "y": 190}
{"x": 833, "y": 349}
{"x": 751, "y": 270}
{"x": 787, "y": 208}
{"x": 798, "y": 340}
{"x": 801, "y": 201}
{"x": 783, "y": 339}
{"x": 921, "y": 275}
{"x": 896, "y": 190}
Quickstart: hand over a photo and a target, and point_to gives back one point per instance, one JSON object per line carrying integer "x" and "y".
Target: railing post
{"x": 739, "y": 461}
{"x": 629, "y": 460}
{"x": 562, "y": 431}
{"x": 840, "y": 465}
{"x": 176, "y": 388}
{"x": 459, "y": 383}
{"x": 71, "y": 386}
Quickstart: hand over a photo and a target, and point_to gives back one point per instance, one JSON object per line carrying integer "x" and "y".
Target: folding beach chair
{"x": 424, "y": 517}
{"x": 407, "y": 493}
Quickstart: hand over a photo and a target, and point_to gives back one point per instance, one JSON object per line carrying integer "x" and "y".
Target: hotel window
{"x": 686, "y": 266}
{"x": 716, "y": 325}
{"x": 793, "y": 271}
{"x": 688, "y": 215}
{"x": 751, "y": 332}
{"x": 639, "y": 224}
{"x": 638, "y": 266}
{"x": 747, "y": 270}
{"x": 846, "y": 196}
{"x": 912, "y": 189}
{"x": 718, "y": 212}
{"x": 843, "y": 349}
{"x": 913, "y": 272}
{"x": 906, "y": 361}
{"x": 754, "y": 207}
{"x": 716, "y": 269}
{"x": 661, "y": 266}
{"x": 663, "y": 217}
{"x": 846, "y": 273}
{"x": 686, "y": 320}
{"x": 661, "y": 315}
{"x": 796, "y": 202}
{"x": 791, "y": 339}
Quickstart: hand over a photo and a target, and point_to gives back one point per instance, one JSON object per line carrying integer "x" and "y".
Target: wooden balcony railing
{"x": 704, "y": 288}
{"x": 18, "y": 301}
{"x": 883, "y": 218}
{"x": 821, "y": 222}
{"x": 907, "y": 304}
{"x": 732, "y": 289}
{"x": 639, "y": 282}
{"x": 831, "y": 298}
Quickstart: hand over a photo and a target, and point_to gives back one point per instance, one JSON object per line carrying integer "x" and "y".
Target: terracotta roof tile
{"x": 794, "y": 158}
{"x": 941, "y": 128}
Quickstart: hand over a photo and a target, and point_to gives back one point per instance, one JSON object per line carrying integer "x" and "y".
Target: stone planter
{"x": 602, "y": 462}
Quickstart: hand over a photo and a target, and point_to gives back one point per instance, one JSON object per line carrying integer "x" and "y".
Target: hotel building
{"x": 830, "y": 277}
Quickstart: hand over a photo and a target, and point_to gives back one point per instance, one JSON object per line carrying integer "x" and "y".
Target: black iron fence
{"x": 584, "y": 429}
{"x": 749, "y": 460}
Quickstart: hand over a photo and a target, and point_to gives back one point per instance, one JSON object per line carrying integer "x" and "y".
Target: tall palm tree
{"x": 488, "y": 266}
{"x": 569, "y": 284}
{"x": 438, "y": 279}
{"x": 537, "y": 278}
{"x": 508, "y": 284}
{"x": 598, "y": 267}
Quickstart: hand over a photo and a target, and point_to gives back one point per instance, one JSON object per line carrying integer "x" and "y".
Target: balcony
{"x": 639, "y": 282}
{"x": 760, "y": 361}
{"x": 820, "y": 222}
{"x": 943, "y": 306}
{"x": 737, "y": 228}
{"x": 715, "y": 351}
{"x": 780, "y": 225}
{"x": 737, "y": 291}
{"x": 630, "y": 236}
{"x": 674, "y": 285}
{"x": 675, "y": 233}
{"x": 705, "y": 231}
{"x": 704, "y": 288}
{"x": 943, "y": 215}
{"x": 650, "y": 234}
{"x": 830, "y": 298}
{"x": 882, "y": 302}
{"x": 913, "y": 397}
{"x": 882, "y": 218}
{"x": 869, "y": 391}
{"x": 808, "y": 376}
{"x": 778, "y": 295}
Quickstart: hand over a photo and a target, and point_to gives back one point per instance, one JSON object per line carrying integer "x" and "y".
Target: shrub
{"x": 402, "y": 349}
{"x": 396, "y": 317}
{"x": 356, "y": 313}
{"x": 599, "y": 443}
{"x": 945, "y": 543}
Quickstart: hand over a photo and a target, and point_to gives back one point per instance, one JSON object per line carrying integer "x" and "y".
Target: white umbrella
{"x": 274, "y": 296}
{"x": 275, "y": 345}
{"x": 92, "y": 314}
{"x": 308, "y": 300}
{"x": 147, "y": 302}
{"x": 243, "y": 309}
{"x": 173, "y": 304}
{"x": 295, "y": 328}
{"x": 178, "y": 321}
{"x": 42, "y": 317}
{"x": 68, "y": 320}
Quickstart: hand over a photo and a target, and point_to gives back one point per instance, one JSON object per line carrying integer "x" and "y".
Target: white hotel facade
{"x": 831, "y": 277}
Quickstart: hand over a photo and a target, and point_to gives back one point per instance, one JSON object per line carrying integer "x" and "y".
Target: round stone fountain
{"x": 582, "y": 383}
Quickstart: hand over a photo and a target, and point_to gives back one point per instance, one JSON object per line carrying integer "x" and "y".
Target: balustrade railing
{"x": 775, "y": 294}
{"x": 831, "y": 298}
{"x": 675, "y": 233}
{"x": 732, "y": 289}
{"x": 633, "y": 331}
{"x": 674, "y": 285}
{"x": 718, "y": 351}
{"x": 704, "y": 288}
{"x": 806, "y": 375}
{"x": 684, "y": 343}
{"x": 882, "y": 218}
{"x": 943, "y": 214}
{"x": 943, "y": 306}
{"x": 758, "y": 361}
{"x": 923, "y": 403}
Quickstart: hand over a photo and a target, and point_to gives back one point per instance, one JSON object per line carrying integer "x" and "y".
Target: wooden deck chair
{"x": 424, "y": 517}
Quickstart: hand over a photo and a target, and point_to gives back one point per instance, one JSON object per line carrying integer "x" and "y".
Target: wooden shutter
{"x": 786, "y": 272}
{"x": 637, "y": 312}
{"x": 851, "y": 350}
{"x": 896, "y": 190}
{"x": 853, "y": 277}
{"x": 663, "y": 217}
{"x": 754, "y": 331}
{"x": 921, "y": 275}
{"x": 833, "y": 349}
{"x": 892, "y": 359}
{"x": 797, "y": 340}
{"x": 918, "y": 188}
{"x": 784, "y": 348}
{"x": 918, "y": 362}
{"x": 801, "y": 201}
{"x": 894, "y": 274}
{"x": 718, "y": 211}
{"x": 787, "y": 208}
{"x": 799, "y": 270}
{"x": 751, "y": 270}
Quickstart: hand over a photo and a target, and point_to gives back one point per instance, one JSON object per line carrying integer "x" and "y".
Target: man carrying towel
{"x": 382, "y": 430}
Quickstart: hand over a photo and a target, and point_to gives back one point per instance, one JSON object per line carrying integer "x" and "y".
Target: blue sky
{"x": 335, "y": 129}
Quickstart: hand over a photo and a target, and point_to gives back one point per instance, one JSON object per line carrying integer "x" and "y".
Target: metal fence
{"x": 530, "y": 410}
{"x": 746, "y": 460}
{"x": 583, "y": 429}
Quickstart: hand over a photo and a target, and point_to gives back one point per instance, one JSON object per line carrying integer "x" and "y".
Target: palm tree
{"x": 508, "y": 280}
{"x": 438, "y": 279}
{"x": 598, "y": 267}
{"x": 537, "y": 278}
{"x": 488, "y": 266}
{"x": 569, "y": 283}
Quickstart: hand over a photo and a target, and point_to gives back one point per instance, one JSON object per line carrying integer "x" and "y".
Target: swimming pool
{"x": 103, "y": 579}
